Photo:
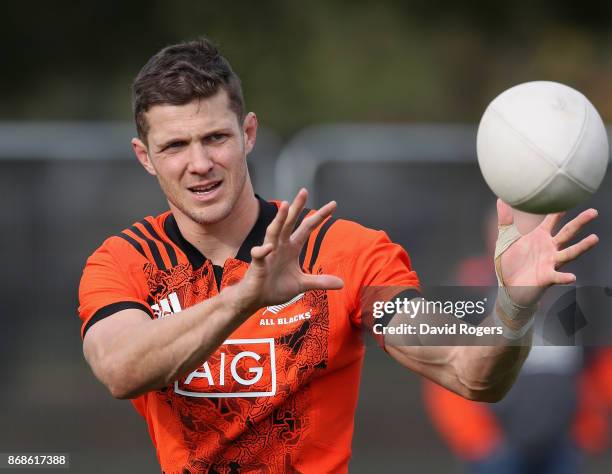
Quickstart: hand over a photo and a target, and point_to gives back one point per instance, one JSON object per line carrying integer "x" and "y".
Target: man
{"x": 260, "y": 370}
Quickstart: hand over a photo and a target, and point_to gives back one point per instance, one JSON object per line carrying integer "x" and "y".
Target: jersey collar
{"x": 267, "y": 211}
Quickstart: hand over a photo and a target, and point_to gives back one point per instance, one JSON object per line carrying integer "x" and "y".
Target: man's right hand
{"x": 132, "y": 354}
{"x": 275, "y": 276}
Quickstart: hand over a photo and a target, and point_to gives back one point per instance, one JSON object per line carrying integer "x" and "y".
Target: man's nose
{"x": 200, "y": 159}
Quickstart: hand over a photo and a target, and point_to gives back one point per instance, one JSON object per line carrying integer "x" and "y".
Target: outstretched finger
{"x": 274, "y": 229}
{"x": 569, "y": 230}
{"x": 321, "y": 282}
{"x": 551, "y": 221}
{"x": 260, "y": 252}
{"x": 504, "y": 214}
{"x": 560, "y": 278}
{"x": 294, "y": 211}
{"x": 311, "y": 222}
{"x": 574, "y": 251}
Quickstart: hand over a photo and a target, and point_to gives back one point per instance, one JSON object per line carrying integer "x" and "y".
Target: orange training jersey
{"x": 279, "y": 395}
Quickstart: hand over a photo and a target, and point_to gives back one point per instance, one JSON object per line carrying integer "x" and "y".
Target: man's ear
{"x": 249, "y": 128}
{"x": 141, "y": 152}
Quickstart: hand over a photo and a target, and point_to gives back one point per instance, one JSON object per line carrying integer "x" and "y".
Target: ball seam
{"x": 543, "y": 155}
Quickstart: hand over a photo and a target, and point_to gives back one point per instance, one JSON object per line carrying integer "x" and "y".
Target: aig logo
{"x": 240, "y": 368}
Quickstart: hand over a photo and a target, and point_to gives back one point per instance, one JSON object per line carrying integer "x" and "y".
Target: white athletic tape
{"x": 508, "y": 234}
{"x": 508, "y": 332}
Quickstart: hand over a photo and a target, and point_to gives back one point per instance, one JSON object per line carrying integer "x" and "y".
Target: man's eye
{"x": 216, "y": 138}
{"x": 174, "y": 145}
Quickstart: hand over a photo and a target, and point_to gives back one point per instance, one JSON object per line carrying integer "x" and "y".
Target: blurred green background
{"x": 308, "y": 62}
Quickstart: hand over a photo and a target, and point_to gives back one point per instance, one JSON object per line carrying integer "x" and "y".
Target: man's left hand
{"x": 531, "y": 264}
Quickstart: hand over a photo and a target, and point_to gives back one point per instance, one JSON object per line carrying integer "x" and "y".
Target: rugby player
{"x": 260, "y": 370}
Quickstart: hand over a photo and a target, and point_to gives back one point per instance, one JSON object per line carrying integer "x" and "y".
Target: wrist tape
{"x": 515, "y": 319}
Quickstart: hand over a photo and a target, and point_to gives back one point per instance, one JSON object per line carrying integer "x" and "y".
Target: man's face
{"x": 198, "y": 153}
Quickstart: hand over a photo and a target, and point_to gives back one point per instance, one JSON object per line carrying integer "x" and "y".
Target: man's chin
{"x": 211, "y": 215}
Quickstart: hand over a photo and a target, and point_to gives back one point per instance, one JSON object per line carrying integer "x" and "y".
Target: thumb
{"x": 504, "y": 214}
{"x": 321, "y": 282}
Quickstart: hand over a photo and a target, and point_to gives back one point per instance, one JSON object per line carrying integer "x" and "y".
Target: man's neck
{"x": 221, "y": 240}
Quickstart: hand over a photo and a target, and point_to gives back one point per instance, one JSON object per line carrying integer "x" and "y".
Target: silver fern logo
{"x": 279, "y": 307}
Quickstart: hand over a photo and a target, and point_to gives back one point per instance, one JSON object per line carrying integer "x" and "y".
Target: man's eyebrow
{"x": 217, "y": 130}
{"x": 220, "y": 129}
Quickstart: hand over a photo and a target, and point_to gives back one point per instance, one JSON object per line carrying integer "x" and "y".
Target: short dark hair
{"x": 181, "y": 73}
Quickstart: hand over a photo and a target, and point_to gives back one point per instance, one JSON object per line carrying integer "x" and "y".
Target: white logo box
{"x": 245, "y": 394}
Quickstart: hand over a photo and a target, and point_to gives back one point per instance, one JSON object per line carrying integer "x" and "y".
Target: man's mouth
{"x": 203, "y": 189}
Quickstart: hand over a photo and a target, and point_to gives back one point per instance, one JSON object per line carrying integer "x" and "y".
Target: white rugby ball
{"x": 542, "y": 147}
